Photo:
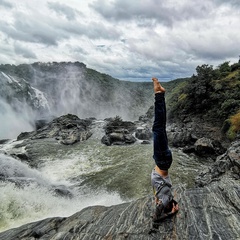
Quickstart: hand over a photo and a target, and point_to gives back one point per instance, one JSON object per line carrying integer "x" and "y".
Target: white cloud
{"x": 122, "y": 38}
{"x": 62, "y": 9}
{"x": 24, "y": 51}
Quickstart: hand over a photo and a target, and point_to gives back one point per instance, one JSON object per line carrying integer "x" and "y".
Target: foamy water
{"x": 35, "y": 198}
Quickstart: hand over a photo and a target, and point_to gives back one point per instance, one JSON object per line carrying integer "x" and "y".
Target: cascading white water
{"x": 27, "y": 194}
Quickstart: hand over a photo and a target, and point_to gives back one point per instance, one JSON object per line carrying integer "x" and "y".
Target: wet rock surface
{"x": 204, "y": 213}
{"x": 205, "y": 147}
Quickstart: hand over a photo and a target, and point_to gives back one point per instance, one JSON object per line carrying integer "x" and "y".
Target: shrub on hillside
{"x": 235, "y": 66}
{"x": 234, "y": 126}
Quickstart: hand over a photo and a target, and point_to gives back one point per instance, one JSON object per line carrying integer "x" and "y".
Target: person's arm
{"x": 175, "y": 209}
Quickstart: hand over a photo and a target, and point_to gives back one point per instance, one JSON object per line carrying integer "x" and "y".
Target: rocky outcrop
{"x": 208, "y": 212}
{"x": 189, "y": 131}
{"x": 205, "y": 147}
{"x": 67, "y": 129}
{"x": 227, "y": 164}
{"x": 143, "y": 133}
{"x": 204, "y": 214}
{"x": 118, "y": 132}
{"x": 193, "y": 134}
{"x": 19, "y": 94}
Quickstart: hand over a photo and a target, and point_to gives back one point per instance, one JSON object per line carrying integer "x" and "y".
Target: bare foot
{"x": 157, "y": 86}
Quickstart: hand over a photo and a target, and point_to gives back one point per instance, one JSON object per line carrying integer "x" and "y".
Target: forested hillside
{"x": 212, "y": 94}
{"x": 74, "y": 88}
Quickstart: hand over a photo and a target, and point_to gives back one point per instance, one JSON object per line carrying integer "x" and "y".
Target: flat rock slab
{"x": 205, "y": 213}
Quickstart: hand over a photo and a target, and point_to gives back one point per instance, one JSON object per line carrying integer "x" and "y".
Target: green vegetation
{"x": 231, "y": 126}
{"x": 212, "y": 93}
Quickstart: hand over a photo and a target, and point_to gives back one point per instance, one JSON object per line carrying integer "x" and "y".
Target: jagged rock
{"x": 187, "y": 132}
{"x": 180, "y": 136}
{"x": 118, "y": 132}
{"x": 118, "y": 125}
{"x": 21, "y": 156}
{"x": 205, "y": 213}
{"x": 228, "y": 163}
{"x": 189, "y": 149}
{"x": 41, "y": 123}
{"x": 62, "y": 191}
{"x": 68, "y": 129}
{"x": 3, "y": 141}
{"x": 118, "y": 138}
{"x": 204, "y": 146}
{"x": 143, "y": 133}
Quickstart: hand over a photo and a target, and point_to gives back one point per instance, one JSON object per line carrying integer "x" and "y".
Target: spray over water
{"x": 28, "y": 194}
{"x": 14, "y": 120}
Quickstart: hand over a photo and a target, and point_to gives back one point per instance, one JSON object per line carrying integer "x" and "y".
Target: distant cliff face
{"x": 29, "y": 92}
{"x": 20, "y": 105}
{"x": 18, "y": 93}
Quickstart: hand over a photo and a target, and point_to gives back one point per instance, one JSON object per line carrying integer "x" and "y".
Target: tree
{"x": 199, "y": 88}
{"x": 224, "y": 69}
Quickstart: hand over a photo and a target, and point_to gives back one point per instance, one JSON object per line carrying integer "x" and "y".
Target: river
{"x": 93, "y": 173}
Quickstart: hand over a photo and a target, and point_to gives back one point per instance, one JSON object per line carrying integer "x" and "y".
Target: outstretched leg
{"x": 165, "y": 205}
{"x": 162, "y": 154}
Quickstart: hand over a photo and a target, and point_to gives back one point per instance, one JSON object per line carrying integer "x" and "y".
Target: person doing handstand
{"x": 165, "y": 204}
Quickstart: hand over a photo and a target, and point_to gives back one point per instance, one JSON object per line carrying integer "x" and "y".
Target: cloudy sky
{"x": 127, "y": 39}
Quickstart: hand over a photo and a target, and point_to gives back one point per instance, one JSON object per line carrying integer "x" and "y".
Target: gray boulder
{"x": 118, "y": 132}
{"x": 68, "y": 129}
{"x": 204, "y": 146}
{"x": 227, "y": 164}
{"x": 143, "y": 133}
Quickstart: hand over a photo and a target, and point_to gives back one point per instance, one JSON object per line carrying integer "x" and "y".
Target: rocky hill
{"x": 73, "y": 88}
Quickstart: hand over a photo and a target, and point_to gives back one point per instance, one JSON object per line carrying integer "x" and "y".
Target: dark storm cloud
{"x": 50, "y": 32}
{"x": 216, "y": 52}
{"x": 93, "y": 30}
{"x": 228, "y": 2}
{"x": 5, "y": 4}
{"x": 161, "y": 11}
{"x": 64, "y": 10}
{"x": 25, "y": 52}
{"x": 32, "y": 30}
